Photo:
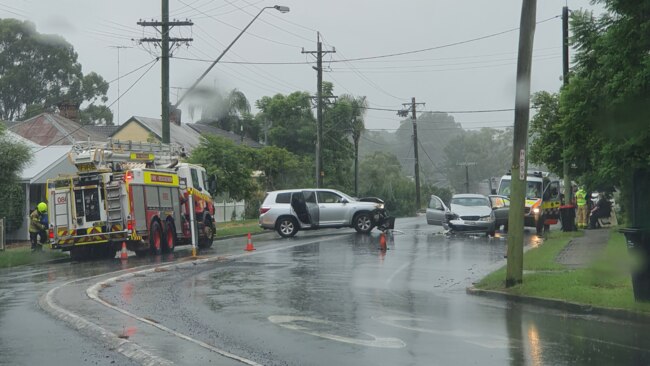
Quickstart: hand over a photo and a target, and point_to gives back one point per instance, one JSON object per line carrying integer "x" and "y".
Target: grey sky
{"x": 472, "y": 76}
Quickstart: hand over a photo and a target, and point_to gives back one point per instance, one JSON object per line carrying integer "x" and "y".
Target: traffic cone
{"x": 124, "y": 254}
{"x": 382, "y": 241}
{"x": 249, "y": 245}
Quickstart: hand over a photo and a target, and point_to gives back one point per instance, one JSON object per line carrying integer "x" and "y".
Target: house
{"x": 48, "y": 129}
{"x": 188, "y": 135}
{"x": 47, "y": 162}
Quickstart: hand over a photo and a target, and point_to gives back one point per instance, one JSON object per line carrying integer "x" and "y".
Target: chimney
{"x": 69, "y": 110}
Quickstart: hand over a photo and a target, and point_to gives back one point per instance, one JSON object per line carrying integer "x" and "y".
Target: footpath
{"x": 582, "y": 251}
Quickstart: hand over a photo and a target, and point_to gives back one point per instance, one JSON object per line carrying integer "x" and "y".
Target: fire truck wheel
{"x": 155, "y": 238}
{"x": 169, "y": 238}
{"x": 206, "y": 240}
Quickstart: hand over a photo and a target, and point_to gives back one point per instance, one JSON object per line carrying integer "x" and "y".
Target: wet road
{"x": 327, "y": 297}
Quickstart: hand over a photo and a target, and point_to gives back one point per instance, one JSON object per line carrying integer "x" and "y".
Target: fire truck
{"x": 128, "y": 192}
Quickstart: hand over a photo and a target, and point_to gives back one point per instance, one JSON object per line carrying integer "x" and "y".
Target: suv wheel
{"x": 286, "y": 227}
{"x": 363, "y": 223}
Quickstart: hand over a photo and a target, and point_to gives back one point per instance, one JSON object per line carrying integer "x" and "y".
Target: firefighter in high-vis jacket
{"x": 581, "y": 201}
{"x": 37, "y": 226}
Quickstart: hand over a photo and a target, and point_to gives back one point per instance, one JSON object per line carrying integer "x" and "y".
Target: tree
{"x": 290, "y": 122}
{"x": 489, "y": 150}
{"x": 282, "y": 169}
{"x": 357, "y": 107}
{"x": 230, "y": 112}
{"x": 12, "y": 195}
{"x": 40, "y": 72}
{"x": 603, "y": 109}
{"x": 546, "y": 144}
{"x": 231, "y": 164}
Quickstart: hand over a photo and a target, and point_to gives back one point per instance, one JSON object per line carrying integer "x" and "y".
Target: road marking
{"x": 483, "y": 340}
{"x": 288, "y": 322}
{"x": 93, "y": 293}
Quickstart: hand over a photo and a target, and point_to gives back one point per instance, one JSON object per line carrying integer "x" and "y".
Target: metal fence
{"x": 229, "y": 211}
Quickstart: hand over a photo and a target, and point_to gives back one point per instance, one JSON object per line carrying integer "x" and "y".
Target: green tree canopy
{"x": 231, "y": 164}
{"x": 14, "y": 158}
{"x": 39, "y": 72}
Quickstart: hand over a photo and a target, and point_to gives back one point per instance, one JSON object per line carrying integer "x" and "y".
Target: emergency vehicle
{"x": 543, "y": 199}
{"x": 129, "y": 192}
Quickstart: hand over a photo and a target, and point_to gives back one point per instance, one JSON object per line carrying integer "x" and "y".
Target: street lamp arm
{"x": 280, "y": 8}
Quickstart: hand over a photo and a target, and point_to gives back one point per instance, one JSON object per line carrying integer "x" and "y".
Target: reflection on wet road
{"x": 324, "y": 299}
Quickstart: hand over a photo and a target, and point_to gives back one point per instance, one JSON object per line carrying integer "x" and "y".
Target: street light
{"x": 280, "y": 8}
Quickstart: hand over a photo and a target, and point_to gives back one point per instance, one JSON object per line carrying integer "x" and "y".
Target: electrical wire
{"x": 153, "y": 62}
{"x": 238, "y": 29}
{"x": 441, "y": 46}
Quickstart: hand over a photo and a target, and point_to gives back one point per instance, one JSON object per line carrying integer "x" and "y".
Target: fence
{"x": 229, "y": 211}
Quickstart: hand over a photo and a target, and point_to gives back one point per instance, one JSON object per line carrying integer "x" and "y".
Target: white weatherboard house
{"x": 47, "y": 162}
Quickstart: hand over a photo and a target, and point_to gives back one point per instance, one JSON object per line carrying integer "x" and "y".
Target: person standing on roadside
{"x": 36, "y": 226}
{"x": 581, "y": 201}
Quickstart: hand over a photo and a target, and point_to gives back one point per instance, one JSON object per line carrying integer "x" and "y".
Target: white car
{"x": 467, "y": 213}
{"x": 291, "y": 210}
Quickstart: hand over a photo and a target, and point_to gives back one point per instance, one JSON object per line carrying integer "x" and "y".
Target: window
{"x": 195, "y": 178}
{"x": 283, "y": 197}
{"x": 328, "y": 197}
{"x": 435, "y": 204}
{"x": 204, "y": 181}
{"x": 310, "y": 196}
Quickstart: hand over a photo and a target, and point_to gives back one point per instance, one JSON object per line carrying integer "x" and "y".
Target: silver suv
{"x": 288, "y": 211}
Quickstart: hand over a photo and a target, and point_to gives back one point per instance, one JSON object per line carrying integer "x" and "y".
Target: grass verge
{"x": 235, "y": 228}
{"x": 605, "y": 283}
{"x": 22, "y": 255}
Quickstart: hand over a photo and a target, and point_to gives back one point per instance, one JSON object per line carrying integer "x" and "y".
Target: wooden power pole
{"x": 514, "y": 271}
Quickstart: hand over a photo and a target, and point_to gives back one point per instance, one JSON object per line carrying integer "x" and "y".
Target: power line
{"x": 441, "y": 46}
{"x": 153, "y": 62}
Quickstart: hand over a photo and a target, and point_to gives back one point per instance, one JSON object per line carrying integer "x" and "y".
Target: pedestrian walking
{"x": 581, "y": 201}
{"x": 36, "y": 226}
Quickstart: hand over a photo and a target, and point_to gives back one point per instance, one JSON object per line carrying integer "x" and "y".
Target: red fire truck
{"x": 129, "y": 192}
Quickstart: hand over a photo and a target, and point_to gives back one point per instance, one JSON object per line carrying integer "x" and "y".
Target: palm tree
{"x": 225, "y": 112}
{"x": 359, "y": 106}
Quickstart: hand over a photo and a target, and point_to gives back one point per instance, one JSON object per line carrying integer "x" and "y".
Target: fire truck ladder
{"x": 114, "y": 206}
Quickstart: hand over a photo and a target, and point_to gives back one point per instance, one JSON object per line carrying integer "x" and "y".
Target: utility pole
{"x": 118, "y": 48}
{"x": 403, "y": 113}
{"x": 514, "y": 270}
{"x": 568, "y": 195}
{"x": 466, "y": 165}
{"x": 319, "y": 107}
{"x": 164, "y": 42}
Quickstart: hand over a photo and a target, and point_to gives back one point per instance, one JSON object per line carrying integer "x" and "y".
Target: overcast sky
{"x": 473, "y": 75}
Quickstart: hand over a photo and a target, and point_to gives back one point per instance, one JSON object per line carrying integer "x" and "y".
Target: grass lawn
{"x": 18, "y": 256}
{"x": 605, "y": 283}
{"x": 234, "y": 228}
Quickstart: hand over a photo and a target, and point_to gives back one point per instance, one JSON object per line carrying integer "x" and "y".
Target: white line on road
{"x": 288, "y": 322}
{"x": 93, "y": 293}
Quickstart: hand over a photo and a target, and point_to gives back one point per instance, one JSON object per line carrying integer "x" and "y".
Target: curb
{"x": 576, "y": 308}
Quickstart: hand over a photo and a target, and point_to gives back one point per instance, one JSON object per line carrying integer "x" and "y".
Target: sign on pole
{"x": 522, "y": 164}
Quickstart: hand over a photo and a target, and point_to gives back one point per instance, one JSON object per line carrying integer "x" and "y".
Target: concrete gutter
{"x": 571, "y": 307}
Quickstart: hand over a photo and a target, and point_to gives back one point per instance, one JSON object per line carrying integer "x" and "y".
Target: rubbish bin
{"x": 638, "y": 245}
{"x": 568, "y": 217}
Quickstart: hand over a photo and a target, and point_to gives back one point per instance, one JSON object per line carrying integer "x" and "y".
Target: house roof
{"x": 14, "y": 137}
{"x": 211, "y": 130}
{"x": 43, "y": 159}
{"x": 105, "y": 131}
{"x": 52, "y": 129}
{"x": 182, "y": 135}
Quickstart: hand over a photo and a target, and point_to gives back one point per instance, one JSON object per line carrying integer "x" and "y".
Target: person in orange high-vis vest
{"x": 581, "y": 201}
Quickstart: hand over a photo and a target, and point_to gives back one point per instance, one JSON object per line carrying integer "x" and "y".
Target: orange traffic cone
{"x": 249, "y": 245}
{"x": 382, "y": 241}
{"x": 124, "y": 254}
